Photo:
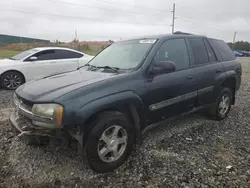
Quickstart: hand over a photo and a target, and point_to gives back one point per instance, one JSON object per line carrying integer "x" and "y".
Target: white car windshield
{"x": 24, "y": 54}
{"x": 123, "y": 55}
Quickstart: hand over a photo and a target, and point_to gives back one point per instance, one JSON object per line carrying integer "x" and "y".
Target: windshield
{"x": 24, "y": 54}
{"x": 123, "y": 55}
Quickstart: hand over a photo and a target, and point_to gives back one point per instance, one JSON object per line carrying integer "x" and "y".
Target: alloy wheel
{"x": 12, "y": 81}
{"x": 224, "y": 105}
{"x": 112, "y": 144}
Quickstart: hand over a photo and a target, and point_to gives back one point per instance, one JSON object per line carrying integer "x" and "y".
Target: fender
{"x": 231, "y": 74}
{"x": 109, "y": 102}
{"x": 220, "y": 79}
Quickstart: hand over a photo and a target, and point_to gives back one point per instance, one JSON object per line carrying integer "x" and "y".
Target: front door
{"x": 172, "y": 93}
{"x": 45, "y": 64}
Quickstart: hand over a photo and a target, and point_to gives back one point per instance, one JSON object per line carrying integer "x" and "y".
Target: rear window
{"x": 222, "y": 49}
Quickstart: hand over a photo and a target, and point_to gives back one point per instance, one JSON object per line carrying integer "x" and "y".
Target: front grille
{"x": 24, "y": 123}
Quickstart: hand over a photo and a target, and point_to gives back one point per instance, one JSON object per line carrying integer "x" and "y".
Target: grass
{"x": 8, "y": 53}
{"x": 91, "y": 51}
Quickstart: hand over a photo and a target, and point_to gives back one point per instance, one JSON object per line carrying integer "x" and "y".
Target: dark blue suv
{"x": 128, "y": 87}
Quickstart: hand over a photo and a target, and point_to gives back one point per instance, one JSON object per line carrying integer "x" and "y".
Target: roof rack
{"x": 181, "y": 33}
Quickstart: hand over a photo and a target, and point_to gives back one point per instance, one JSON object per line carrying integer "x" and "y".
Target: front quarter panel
{"x": 79, "y": 117}
{"x": 15, "y": 66}
{"x": 107, "y": 94}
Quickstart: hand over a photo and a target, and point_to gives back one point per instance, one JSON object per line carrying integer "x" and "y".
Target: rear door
{"x": 67, "y": 60}
{"x": 207, "y": 69}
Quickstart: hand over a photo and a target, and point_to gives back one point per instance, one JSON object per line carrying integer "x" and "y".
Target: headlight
{"x": 52, "y": 111}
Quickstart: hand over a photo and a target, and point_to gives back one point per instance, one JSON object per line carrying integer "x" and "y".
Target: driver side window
{"x": 44, "y": 55}
{"x": 174, "y": 50}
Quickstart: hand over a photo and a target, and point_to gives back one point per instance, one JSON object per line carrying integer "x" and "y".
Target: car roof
{"x": 55, "y": 48}
{"x": 163, "y": 36}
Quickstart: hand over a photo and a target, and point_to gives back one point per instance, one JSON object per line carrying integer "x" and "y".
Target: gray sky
{"x": 121, "y": 19}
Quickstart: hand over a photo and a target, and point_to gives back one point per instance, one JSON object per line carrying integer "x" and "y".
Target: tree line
{"x": 240, "y": 45}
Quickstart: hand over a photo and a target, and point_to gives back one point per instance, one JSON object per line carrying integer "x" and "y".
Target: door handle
{"x": 218, "y": 70}
{"x": 189, "y": 78}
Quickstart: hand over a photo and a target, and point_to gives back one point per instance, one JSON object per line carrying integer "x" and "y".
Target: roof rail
{"x": 181, "y": 33}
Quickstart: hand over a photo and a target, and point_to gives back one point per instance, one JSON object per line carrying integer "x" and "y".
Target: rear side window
{"x": 199, "y": 51}
{"x": 174, "y": 50}
{"x": 223, "y": 49}
{"x": 66, "y": 54}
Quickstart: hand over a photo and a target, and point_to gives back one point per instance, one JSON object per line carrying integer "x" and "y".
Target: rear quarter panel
{"x": 233, "y": 69}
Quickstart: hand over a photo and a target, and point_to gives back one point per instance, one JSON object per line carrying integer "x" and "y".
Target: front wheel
{"x": 222, "y": 105}
{"x": 110, "y": 141}
{"x": 11, "y": 80}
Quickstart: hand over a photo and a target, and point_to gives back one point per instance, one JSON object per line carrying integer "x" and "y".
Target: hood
{"x": 8, "y": 62}
{"x": 50, "y": 88}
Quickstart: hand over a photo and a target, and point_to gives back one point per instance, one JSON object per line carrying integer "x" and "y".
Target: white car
{"x": 37, "y": 63}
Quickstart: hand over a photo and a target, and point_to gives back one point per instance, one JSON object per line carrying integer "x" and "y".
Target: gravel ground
{"x": 189, "y": 152}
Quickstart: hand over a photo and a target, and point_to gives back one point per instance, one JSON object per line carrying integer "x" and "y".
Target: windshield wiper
{"x": 115, "y": 69}
{"x": 87, "y": 65}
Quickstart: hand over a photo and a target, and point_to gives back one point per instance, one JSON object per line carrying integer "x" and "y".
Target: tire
{"x": 216, "y": 111}
{"x": 99, "y": 153}
{"x": 11, "y": 80}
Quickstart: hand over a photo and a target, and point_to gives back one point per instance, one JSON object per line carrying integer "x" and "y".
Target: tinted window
{"x": 210, "y": 51}
{"x": 45, "y": 55}
{"x": 199, "y": 51}
{"x": 66, "y": 54}
{"x": 174, "y": 50}
{"x": 224, "y": 50}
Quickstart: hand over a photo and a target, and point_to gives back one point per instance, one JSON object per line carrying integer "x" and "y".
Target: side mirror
{"x": 33, "y": 58}
{"x": 162, "y": 67}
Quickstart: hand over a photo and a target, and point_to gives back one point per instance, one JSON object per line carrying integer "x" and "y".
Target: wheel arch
{"x": 13, "y": 70}
{"x": 128, "y": 103}
{"x": 230, "y": 83}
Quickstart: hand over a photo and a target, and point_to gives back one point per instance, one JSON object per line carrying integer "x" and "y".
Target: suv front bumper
{"x": 24, "y": 129}
{"x": 22, "y": 126}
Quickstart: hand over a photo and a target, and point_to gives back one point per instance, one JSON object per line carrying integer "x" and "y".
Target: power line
{"x": 81, "y": 18}
{"x": 91, "y": 6}
{"x": 129, "y": 5}
{"x": 203, "y": 23}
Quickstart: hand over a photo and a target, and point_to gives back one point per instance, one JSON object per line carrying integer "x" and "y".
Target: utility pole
{"x": 76, "y": 37}
{"x": 235, "y": 33}
{"x": 173, "y": 11}
{"x": 21, "y": 40}
{"x": 76, "y": 40}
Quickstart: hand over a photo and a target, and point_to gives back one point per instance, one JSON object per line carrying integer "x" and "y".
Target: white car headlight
{"x": 53, "y": 111}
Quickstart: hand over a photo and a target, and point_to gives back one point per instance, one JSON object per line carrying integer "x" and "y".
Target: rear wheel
{"x": 110, "y": 141}
{"x": 222, "y": 105}
{"x": 11, "y": 80}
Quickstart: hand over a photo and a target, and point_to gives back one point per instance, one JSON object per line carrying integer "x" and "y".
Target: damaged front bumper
{"x": 25, "y": 130}
{"x": 23, "y": 127}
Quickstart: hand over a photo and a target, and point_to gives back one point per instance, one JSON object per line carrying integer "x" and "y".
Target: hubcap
{"x": 12, "y": 81}
{"x": 112, "y": 143}
{"x": 224, "y": 105}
